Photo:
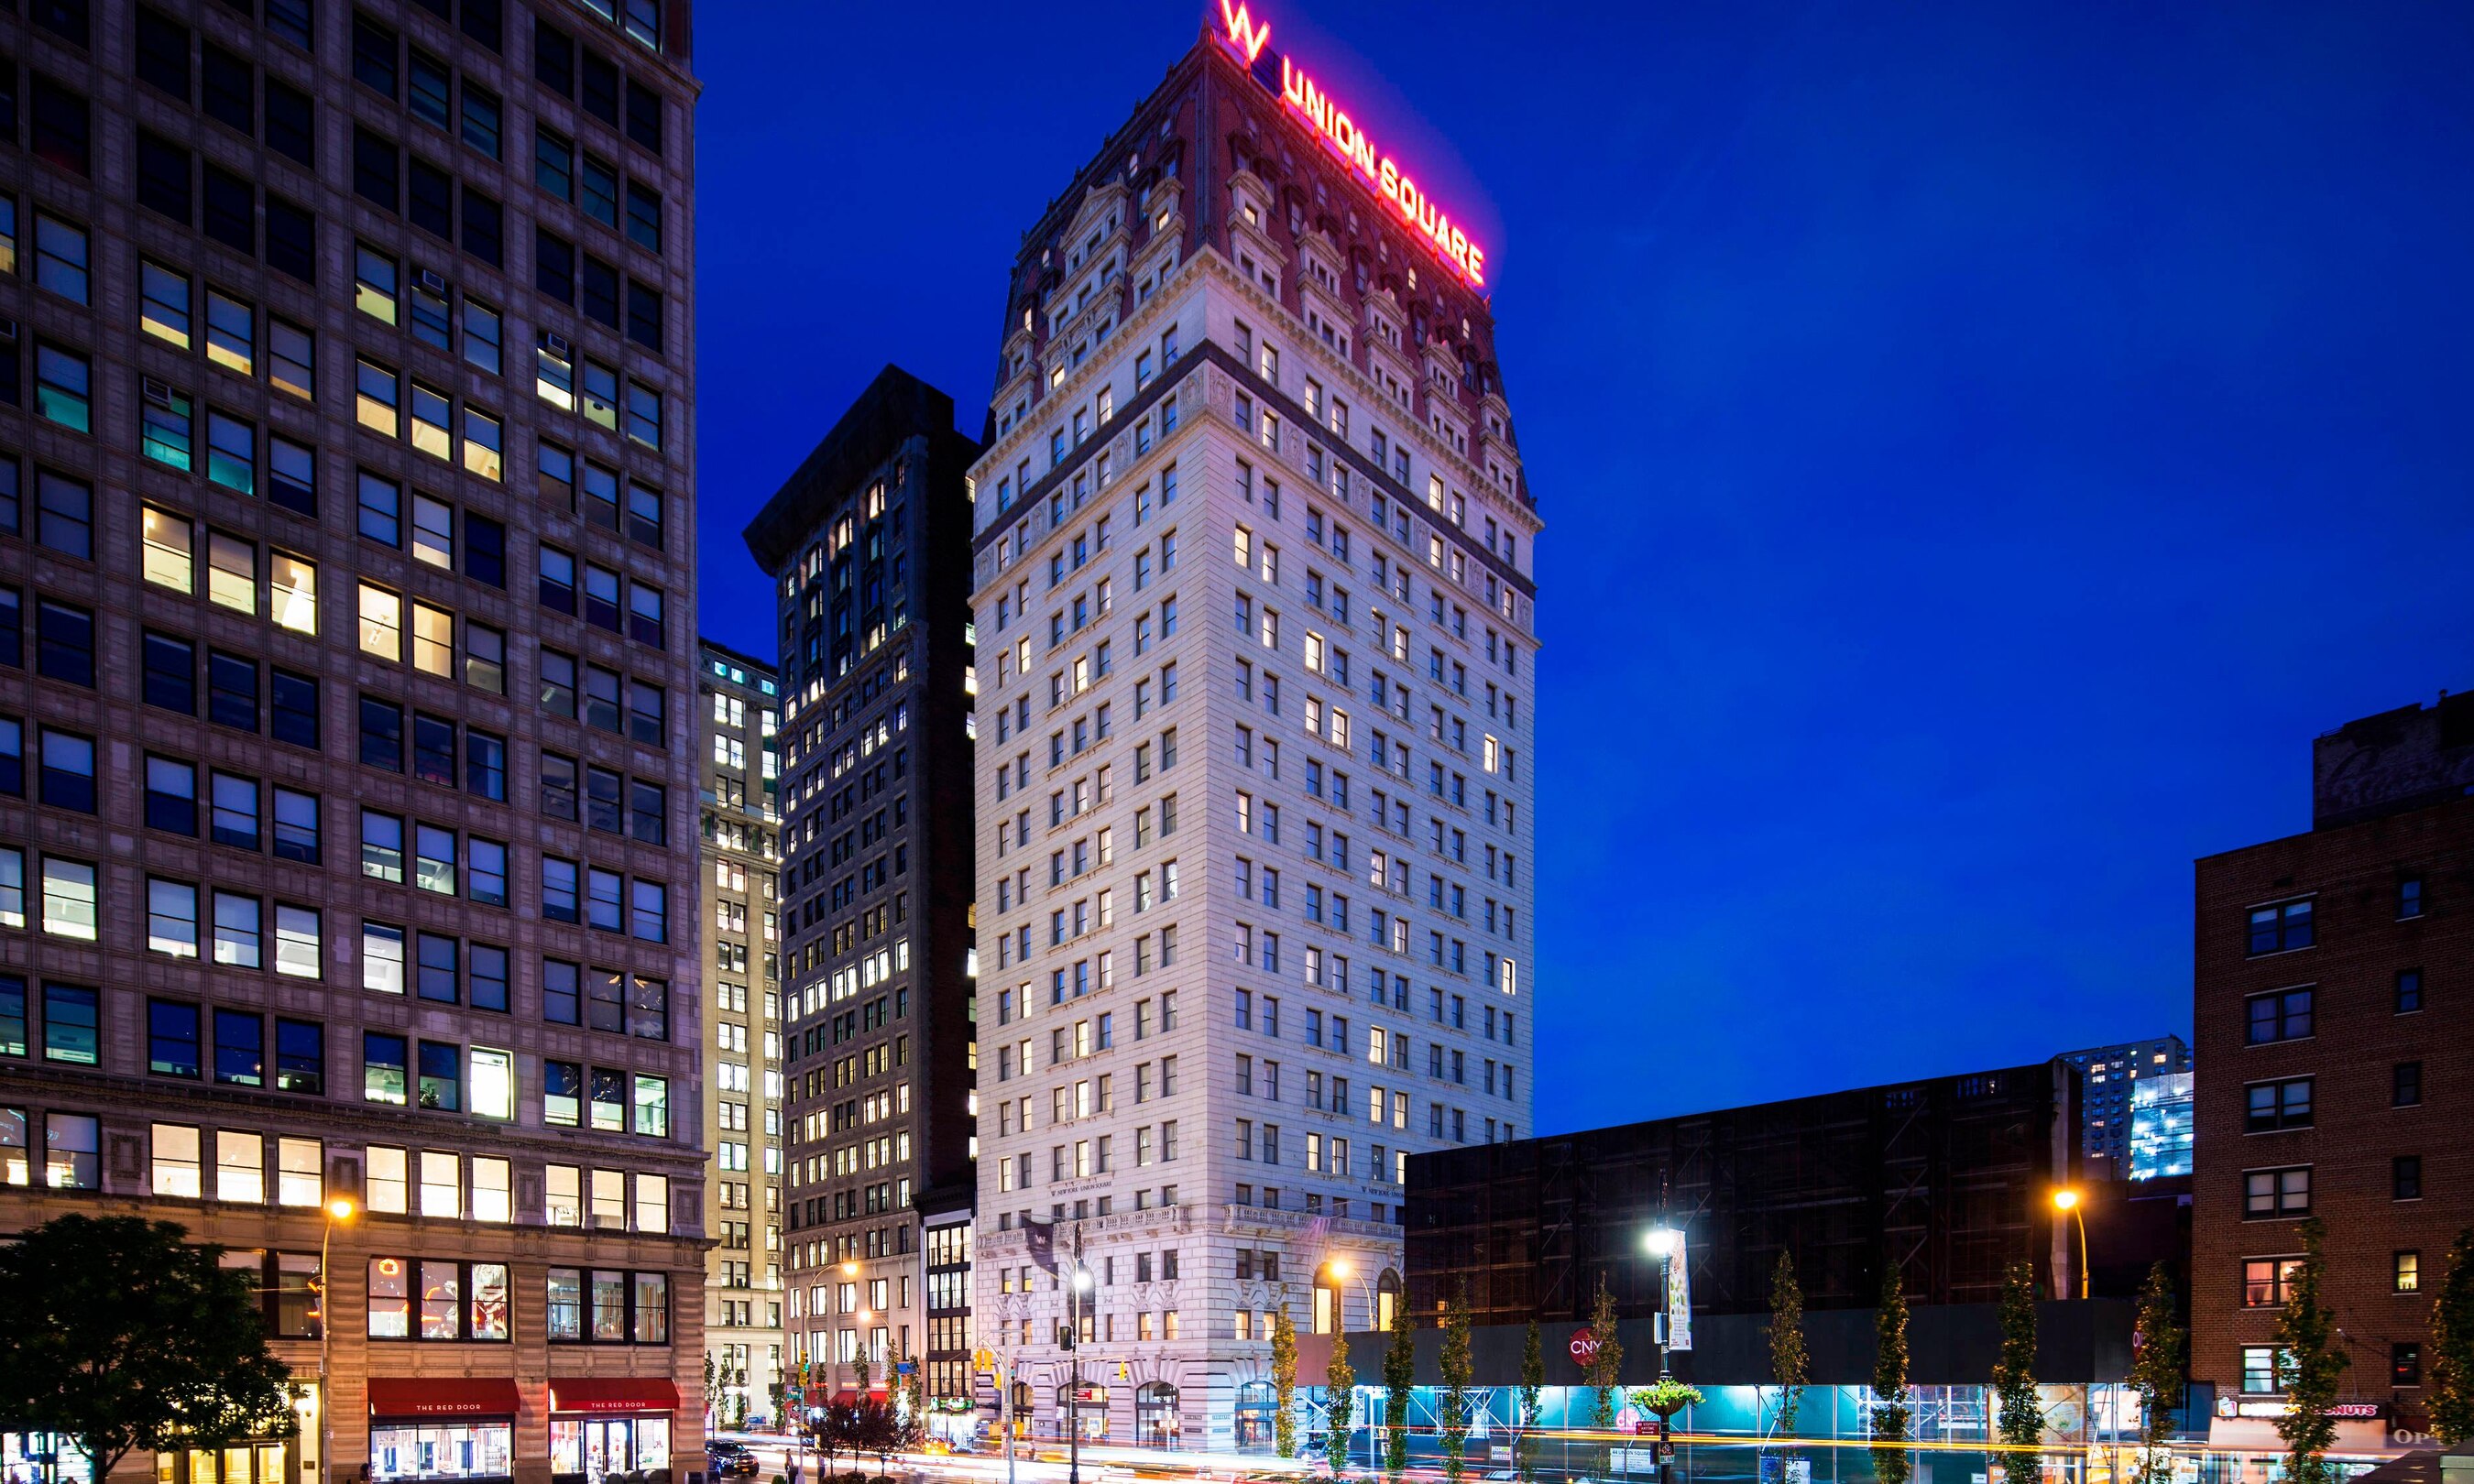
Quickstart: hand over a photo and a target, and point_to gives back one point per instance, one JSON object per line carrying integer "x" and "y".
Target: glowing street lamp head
{"x": 850, "y": 1270}
{"x": 2065, "y": 1199}
{"x": 341, "y": 1210}
{"x": 1660, "y": 1241}
{"x": 1338, "y": 1267}
{"x": 1082, "y": 1281}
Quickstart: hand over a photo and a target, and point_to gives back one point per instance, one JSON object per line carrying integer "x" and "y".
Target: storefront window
{"x": 390, "y": 1300}
{"x": 593, "y": 1448}
{"x": 448, "y": 1450}
{"x": 442, "y": 1301}
{"x": 490, "y": 1306}
{"x": 51, "y": 1456}
{"x": 457, "y": 1301}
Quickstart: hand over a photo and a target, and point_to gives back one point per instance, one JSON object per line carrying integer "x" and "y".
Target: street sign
{"x": 903, "y": 1368}
{"x": 1585, "y": 1347}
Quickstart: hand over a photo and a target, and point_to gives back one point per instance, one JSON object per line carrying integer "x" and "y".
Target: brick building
{"x": 348, "y": 785}
{"x": 2332, "y": 976}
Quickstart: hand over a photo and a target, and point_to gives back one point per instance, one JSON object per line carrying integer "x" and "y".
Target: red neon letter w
{"x": 1242, "y": 30}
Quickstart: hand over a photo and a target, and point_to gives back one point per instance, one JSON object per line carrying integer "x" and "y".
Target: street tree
{"x": 2310, "y": 1361}
{"x": 1790, "y": 1360}
{"x": 1399, "y": 1373}
{"x": 1457, "y": 1371}
{"x": 117, "y": 1332}
{"x": 1339, "y": 1402}
{"x": 2159, "y": 1348}
{"x": 2452, "y": 1345}
{"x": 1891, "y": 1411}
{"x": 1284, "y": 1381}
{"x": 1604, "y": 1365}
{"x": 2022, "y": 1425}
{"x": 1533, "y": 1391}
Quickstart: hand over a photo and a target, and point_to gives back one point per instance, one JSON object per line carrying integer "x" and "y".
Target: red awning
{"x": 612, "y": 1394}
{"x": 444, "y": 1397}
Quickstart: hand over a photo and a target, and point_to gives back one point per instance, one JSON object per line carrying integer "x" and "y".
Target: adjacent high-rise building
{"x": 348, "y": 825}
{"x": 741, "y": 710}
{"x": 867, "y": 545}
{"x": 1254, "y": 575}
{"x": 2113, "y": 1075}
{"x": 2331, "y": 1031}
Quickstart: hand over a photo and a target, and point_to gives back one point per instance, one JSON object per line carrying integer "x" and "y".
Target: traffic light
{"x": 1122, "y": 1373}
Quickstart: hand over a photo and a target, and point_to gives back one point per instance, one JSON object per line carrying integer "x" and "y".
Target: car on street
{"x": 725, "y": 1459}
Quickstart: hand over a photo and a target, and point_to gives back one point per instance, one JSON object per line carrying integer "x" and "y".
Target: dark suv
{"x": 725, "y": 1459}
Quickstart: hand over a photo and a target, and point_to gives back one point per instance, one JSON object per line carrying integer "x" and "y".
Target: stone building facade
{"x": 1255, "y": 592}
{"x": 347, "y": 819}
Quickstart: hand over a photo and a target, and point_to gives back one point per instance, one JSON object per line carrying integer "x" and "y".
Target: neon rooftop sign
{"x": 1380, "y": 172}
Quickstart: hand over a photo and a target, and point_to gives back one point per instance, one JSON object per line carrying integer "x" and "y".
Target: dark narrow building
{"x": 867, "y": 545}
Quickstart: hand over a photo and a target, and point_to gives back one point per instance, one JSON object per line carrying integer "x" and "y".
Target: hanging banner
{"x": 1679, "y": 1296}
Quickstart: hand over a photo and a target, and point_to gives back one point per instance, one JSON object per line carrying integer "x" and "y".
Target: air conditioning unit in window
{"x": 603, "y": 1222}
{"x": 433, "y": 284}
{"x": 157, "y": 394}
{"x": 555, "y": 343}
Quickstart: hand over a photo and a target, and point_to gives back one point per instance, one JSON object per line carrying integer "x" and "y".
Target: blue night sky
{"x": 1980, "y": 445}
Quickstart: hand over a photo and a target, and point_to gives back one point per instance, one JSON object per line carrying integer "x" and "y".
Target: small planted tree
{"x": 118, "y": 1333}
{"x": 2309, "y": 1364}
{"x": 1790, "y": 1360}
{"x": 2159, "y": 1348}
{"x": 1399, "y": 1372}
{"x": 2452, "y": 1345}
{"x": 1284, "y": 1381}
{"x": 2022, "y": 1425}
{"x": 1457, "y": 1371}
{"x": 1339, "y": 1402}
{"x": 1891, "y": 1410}
{"x": 1605, "y": 1366}
{"x": 1533, "y": 1390}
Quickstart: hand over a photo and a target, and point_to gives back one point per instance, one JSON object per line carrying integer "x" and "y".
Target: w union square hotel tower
{"x": 1252, "y": 581}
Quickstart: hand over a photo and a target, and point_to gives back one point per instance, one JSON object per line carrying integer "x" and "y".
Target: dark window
{"x": 163, "y": 52}
{"x": 2405, "y": 1084}
{"x": 375, "y": 176}
{"x": 432, "y": 198}
{"x": 68, "y": 770}
{"x": 374, "y": 55}
{"x": 13, "y": 627}
{"x": 644, "y": 316}
{"x": 554, "y": 57}
{"x": 437, "y": 972}
{"x": 229, "y": 89}
{"x": 555, "y": 266}
{"x": 600, "y": 88}
{"x": 2270, "y": 1106}
{"x": 231, "y": 690}
{"x": 172, "y": 675}
{"x": 300, "y": 1057}
{"x": 2410, "y": 897}
{"x": 291, "y": 123}
{"x": 291, "y": 20}
{"x": 2409, "y": 990}
{"x": 644, "y": 116}
{"x": 63, "y": 127}
{"x": 231, "y": 210}
{"x": 382, "y": 735}
{"x": 240, "y": 1049}
{"x": 644, "y": 217}
{"x": 2279, "y": 1014}
{"x": 485, "y": 23}
{"x": 293, "y": 702}
{"x": 64, "y": 642}
{"x": 2405, "y": 1363}
{"x": 172, "y": 1038}
{"x": 433, "y": 749}
{"x": 171, "y": 795}
{"x": 484, "y": 229}
{"x": 485, "y": 550}
{"x": 291, "y": 239}
{"x": 163, "y": 177}
{"x": 2405, "y": 1177}
{"x": 563, "y": 1004}
{"x": 2281, "y": 926}
{"x": 486, "y": 967}
{"x": 600, "y": 292}
{"x": 648, "y": 812}
{"x": 64, "y": 17}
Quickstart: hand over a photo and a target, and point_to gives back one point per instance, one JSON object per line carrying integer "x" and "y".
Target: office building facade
{"x": 1254, "y": 577}
{"x": 867, "y": 547}
{"x": 2328, "y": 968}
{"x": 347, "y": 809}
{"x": 741, "y": 708}
{"x": 2113, "y": 1076}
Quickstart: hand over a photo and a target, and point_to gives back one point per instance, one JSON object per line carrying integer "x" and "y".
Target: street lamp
{"x": 1076, "y": 1289}
{"x": 1662, "y": 1240}
{"x": 339, "y": 1210}
{"x": 1340, "y": 1267}
{"x": 2066, "y": 1199}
